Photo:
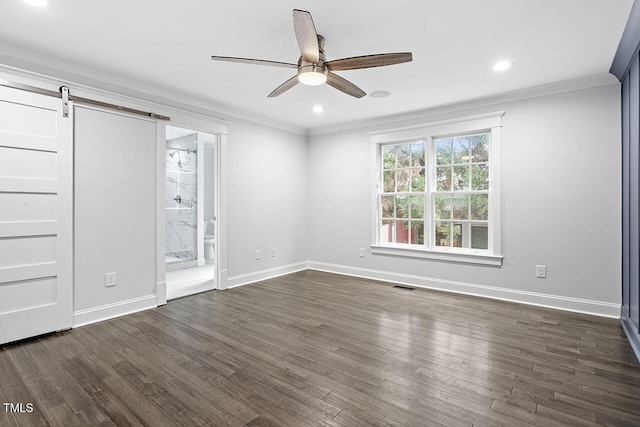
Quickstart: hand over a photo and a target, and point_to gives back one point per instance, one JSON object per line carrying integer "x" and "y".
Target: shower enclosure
{"x": 182, "y": 199}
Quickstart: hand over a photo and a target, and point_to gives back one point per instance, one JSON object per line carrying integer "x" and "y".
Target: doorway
{"x": 190, "y": 211}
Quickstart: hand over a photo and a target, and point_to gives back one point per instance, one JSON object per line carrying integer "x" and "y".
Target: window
{"x": 437, "y": 191}
{"x": 461, "y": 194}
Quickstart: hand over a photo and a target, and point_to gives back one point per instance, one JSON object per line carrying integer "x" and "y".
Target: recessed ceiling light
{"x": 379, "y": 94}
{"x": 318, "y": 109}
{"x": 502, "y": 65}
{"x": 37, "y": 3}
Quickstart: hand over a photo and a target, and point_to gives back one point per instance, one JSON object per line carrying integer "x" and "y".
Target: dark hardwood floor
{"x": 320, "y": 349}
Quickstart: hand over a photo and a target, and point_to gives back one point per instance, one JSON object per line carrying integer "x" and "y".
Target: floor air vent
{"x": 404, "y": 288}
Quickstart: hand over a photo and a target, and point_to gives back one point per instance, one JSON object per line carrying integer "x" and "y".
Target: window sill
{"x": 449, "y": 256}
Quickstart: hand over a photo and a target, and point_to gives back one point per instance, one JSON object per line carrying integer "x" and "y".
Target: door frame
{"x": 220, "y": 199}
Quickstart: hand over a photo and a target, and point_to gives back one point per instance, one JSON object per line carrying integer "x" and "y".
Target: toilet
{"x": 209, "y": 241}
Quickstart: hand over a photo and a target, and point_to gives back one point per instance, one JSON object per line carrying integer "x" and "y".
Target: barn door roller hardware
{"x": 65, "y": 94}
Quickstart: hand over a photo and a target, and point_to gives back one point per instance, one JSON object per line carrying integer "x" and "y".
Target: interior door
{"x": 36, "y": 215}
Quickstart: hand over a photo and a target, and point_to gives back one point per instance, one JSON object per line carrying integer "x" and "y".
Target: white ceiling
{"x": 167, "y": 44}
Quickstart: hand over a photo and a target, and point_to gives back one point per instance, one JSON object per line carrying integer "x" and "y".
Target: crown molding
{"x": 406, "y": 119}
{"x": 629, "y": 44}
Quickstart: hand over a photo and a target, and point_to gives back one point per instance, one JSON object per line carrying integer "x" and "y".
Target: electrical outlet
{"x": 258, "y": 254}
{"x": 541, "y": 271}
{"x": 109, "y": 279}
{"x": 361, "y": 252}
{"x": 273, "y": 252}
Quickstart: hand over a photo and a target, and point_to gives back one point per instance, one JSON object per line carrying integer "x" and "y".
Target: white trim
{"x": 270, "y": 273}
{"x": 161, "y": 220}
{"x": 223, "y": 278}
{"x": 109, "y": 311}
{"x": 557, "y": 302}
{"x": 451, "y": 256}
{"x": 200, "y": 199}
{"x": 161, "y": 293}
{"x": 438, "y": 128}
{"x": 495, "y": 202}
{"x": 220, "y": 209}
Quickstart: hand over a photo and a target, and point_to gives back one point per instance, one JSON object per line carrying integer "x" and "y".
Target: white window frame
{"x": 491, "y": 123}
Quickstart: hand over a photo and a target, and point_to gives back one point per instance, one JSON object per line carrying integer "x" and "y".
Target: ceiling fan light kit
{"x": 312, "y": 75}
{"x": 313, "y": 67}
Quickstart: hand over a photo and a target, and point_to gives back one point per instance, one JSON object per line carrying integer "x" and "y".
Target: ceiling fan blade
{"x": 284, "y": 87}
{"x": 369, "y": 61}
{"x": 344, "y": 85}
{"x": 254, "y": 61}
{"x": 306, "y": 36}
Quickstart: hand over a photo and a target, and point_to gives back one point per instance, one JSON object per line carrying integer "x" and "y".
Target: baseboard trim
{"x": 632, "y": 336}
{"x": 257, "y": 276}
{"x": 109, "y": 311}
{"x": 577, "y": 305}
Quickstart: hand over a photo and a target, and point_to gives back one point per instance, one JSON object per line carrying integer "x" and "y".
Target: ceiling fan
{"x": 313, "y": 67}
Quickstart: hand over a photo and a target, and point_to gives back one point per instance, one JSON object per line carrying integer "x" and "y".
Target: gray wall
{"x": 267, "y": 197}
{"x": 560, "y": 203}
{"x": 114, "y": 207}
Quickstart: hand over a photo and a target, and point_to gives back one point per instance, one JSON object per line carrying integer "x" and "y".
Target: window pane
{"x": 417, "y": 207}
{"x": 417, "y": 154}
{"x": 417, "y": 180}
{"x": 404, "y": 180}
{"x": 386, "y": 231}
{"x": 388, "y": 206}
{"x": 460, "y": 178}
{"x": 443, "y": 151}
{"x": 389, "y": 157}
{"x": 402, "y": 206}
{"x": 443, "y": 206}
{"x": 389, "y": 178}
{"x": 460, "y": 150}
{"x": 443, "y": 231}
{"x": 480, "y": 177}
{"x": 456, "y": 237}
{"x": 417, "y": 233}
{"x": 479, "y": 237}
{"x": 402, "y": 232}
{"x": 404, "y": 155}
{"x": 480, "y": 207}
{"x": 443, "y": 178}
{"x": 461, "y": 207}
{"x": 480, "y": 148}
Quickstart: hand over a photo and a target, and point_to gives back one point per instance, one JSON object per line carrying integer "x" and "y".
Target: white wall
{"x": 267, "y": 201}
{"x": 560, "y": 206}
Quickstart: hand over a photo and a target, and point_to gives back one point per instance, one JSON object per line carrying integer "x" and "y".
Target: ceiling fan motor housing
{"x": 313, "y": 74}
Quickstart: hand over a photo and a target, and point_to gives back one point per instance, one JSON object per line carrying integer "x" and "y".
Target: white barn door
{"x": 36, "y": 215}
